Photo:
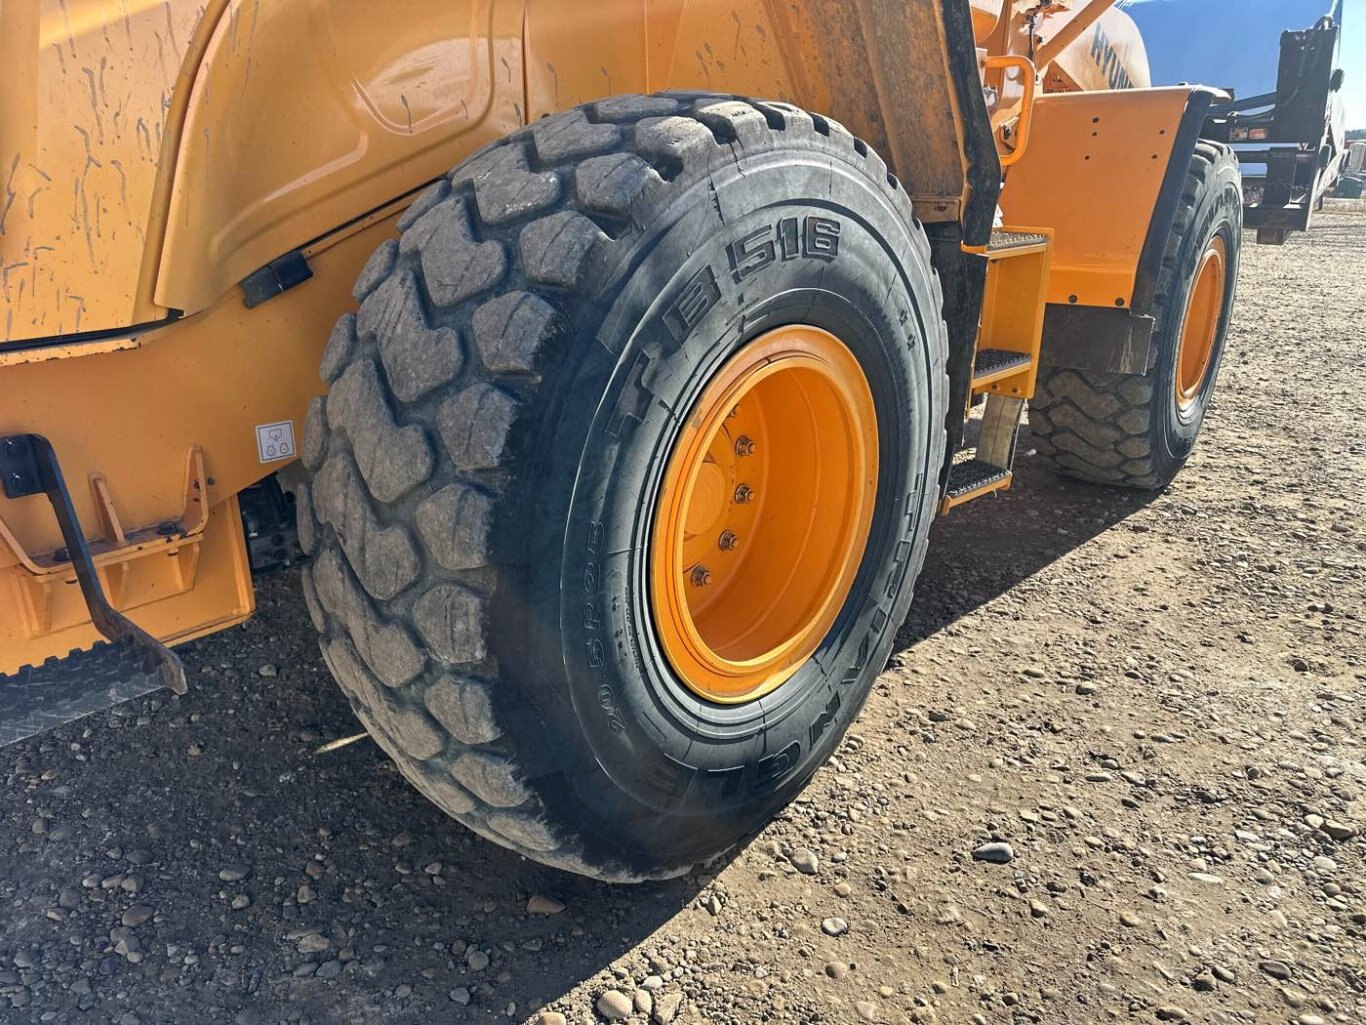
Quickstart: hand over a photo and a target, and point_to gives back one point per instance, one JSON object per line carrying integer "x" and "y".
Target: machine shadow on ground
{"x": 356, "y": 896}
{"x": 982, "y": 550}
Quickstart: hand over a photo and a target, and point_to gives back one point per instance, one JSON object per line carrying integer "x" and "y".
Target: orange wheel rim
{"x": 764, "y": 514}
{"x": 1201, "y": 326}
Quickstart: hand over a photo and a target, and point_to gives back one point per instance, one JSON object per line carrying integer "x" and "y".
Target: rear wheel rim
{"x": 1201, "y": 327}
{"x": 763, "y": 514}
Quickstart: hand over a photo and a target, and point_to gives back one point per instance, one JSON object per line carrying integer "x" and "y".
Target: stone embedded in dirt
{"x": 268, "y": 670}
{"x": 304, "y": 894}
{"x": 1275, "y": 969}
{"x": 614, "y": 1005}
{"x": 837, "y": 969}
{"x": 834, "y": 927}
{"x": 1038, "y": 909}
{"x": 805, "y": 861}
{"x": 644, "y": 1001}
{"x": 866, "y": 1009}
{"x": 551, "y": 1018}
{"x": 313, "y": 943}
{"x": 241, "y": 901}
{"x": 329, "y": 970}
{"x": 234, "y": 873}
{"x": 1338, "y": 831}
{"x": 666, "y": 1008}
{"x": 69, "y": 898}
{"x": 995, "y": 853}
{"x": 540, "y": 904}
{"x": 1325, "y": 864}
{"x": 1204, "y": 983}
{"x": 1206, "y": 878}
{"x": 1129, "y": 919}
{"x": 1172, "y": 1013}
{"x": 843, "y": 889}
{"x": 136, "y": 915}
{"x": 460, "y": 995}
{"x": 476, "y": 959}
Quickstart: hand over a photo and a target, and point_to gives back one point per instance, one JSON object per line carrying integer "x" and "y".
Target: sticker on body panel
{"x": 275, "y": 441}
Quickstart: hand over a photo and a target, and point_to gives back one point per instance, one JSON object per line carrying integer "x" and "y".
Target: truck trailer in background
{"x": 1284, "y": 115}
{"x": 1356, "y": 158}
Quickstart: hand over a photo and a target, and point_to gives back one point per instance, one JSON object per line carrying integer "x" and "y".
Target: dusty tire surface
{"x": 499, "y": 413}
{"x": 1128, "y": 429}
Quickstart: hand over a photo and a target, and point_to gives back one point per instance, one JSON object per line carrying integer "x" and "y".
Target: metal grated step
{"x": 995, "y": 361}
{"x": 1003, "y": 241}
{"x": 973, "y": 475}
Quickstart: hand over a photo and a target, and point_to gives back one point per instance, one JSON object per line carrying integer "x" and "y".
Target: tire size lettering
{"x": 816, "y": 238}
{"x": 693, "y": 303}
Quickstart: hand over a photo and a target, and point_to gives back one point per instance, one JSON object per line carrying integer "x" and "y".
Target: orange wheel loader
{"x": 617, "y": 358}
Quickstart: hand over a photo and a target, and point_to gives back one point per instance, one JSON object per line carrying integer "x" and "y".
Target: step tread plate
{"x": 973, "y": 475}
{"x": 994, "y": 361}
{"x": 35, "y": 699}
{"x": 1003, "y": 240}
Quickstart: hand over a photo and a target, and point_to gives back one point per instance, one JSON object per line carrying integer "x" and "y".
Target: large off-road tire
{"x": 488, "y": 462}
{"x": 1138, "y": 430}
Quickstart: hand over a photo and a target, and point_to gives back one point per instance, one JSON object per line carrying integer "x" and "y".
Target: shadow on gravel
{"x": 197, "y": 860}
{"x": 982, "y": 550}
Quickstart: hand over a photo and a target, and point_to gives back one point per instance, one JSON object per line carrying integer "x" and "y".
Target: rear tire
{"x": 1135, "y": 430}
{"x": 501, "y": 411}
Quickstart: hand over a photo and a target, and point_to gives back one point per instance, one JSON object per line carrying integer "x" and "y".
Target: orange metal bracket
{"x": 1030, "y": 74}
{"x": 117, "y": 552}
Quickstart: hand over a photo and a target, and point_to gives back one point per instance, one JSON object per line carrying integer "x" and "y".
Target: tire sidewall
{"x": 660, "y": 772}
{"x": 1217, "y": 211}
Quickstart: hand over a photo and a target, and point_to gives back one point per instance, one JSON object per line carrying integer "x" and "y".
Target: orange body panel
{"x": 1089, "y": 148}
{"x": 84, "y": 113}
{"x": 178, "y": 593}
{"x": 204, "y": 381}
{"x": 283, "y": 142}
{"x": 154, "y": 154}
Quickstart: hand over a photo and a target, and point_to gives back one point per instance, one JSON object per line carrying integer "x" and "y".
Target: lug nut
{"x": 728, "y": 541}
{"x": 744, "y": 494}
{"x": 744, "y": 446}
{"x": 701, "y": 576}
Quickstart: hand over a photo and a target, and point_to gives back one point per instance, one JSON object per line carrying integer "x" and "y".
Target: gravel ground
{"x": 1113, "y": 772}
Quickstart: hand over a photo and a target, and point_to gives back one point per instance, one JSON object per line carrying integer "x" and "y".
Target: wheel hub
{"x": 1201, "y": 327}
{"x": 763, "y": 514}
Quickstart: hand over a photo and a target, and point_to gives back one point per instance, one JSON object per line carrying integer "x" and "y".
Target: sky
{"x": 1237, "y": 42}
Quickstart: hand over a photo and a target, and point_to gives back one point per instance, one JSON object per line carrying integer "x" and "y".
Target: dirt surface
{"x": 1157, "y": 702}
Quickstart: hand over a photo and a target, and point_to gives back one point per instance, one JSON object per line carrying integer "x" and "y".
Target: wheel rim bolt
{"x": 728, "y": 541}
{"x": 744, "y": 445}
{"x": 701, "y": 576}
{"x": 744, "y": 494}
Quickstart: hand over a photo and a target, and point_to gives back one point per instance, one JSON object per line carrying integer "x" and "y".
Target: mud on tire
{"x": 498, "y": 411}
{"x": 1128, "y": 429}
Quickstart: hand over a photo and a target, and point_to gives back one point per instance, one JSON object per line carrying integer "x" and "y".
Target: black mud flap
{"x": 60, "y": 690}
